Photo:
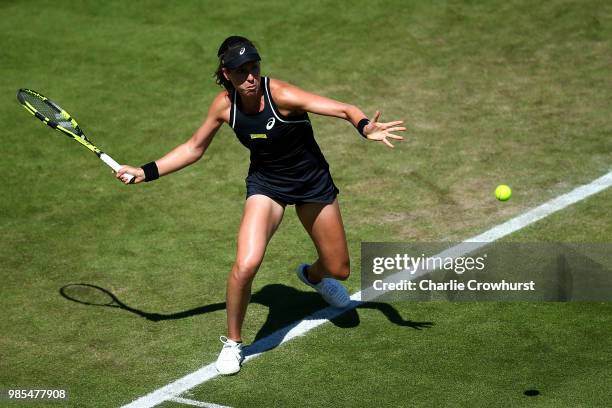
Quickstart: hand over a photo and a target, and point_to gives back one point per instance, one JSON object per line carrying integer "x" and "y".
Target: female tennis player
{"x": 270, "y": 118}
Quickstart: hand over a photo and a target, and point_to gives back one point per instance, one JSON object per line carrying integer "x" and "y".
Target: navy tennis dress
{"x": 286, "y": 162}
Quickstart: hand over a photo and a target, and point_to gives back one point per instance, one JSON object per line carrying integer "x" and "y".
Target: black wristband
{"x": 150, "y": 170}
{"x": 362, "y": 123}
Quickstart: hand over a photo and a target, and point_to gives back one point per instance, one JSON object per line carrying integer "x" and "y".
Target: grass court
{"x": 492, "y": 92}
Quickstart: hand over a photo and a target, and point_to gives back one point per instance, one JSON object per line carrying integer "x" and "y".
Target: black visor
{"x": 235, "y": 57}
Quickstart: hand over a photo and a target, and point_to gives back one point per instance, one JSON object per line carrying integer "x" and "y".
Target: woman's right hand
{"x": 137, "y": 172}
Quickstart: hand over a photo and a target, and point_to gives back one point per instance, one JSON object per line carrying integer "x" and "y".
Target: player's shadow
{"x": 287, "y": 305}
{"x": 287, "y": 308}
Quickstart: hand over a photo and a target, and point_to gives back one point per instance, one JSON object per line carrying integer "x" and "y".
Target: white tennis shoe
{"x": 330, "y": 289}
{"x": 230, "y": 358}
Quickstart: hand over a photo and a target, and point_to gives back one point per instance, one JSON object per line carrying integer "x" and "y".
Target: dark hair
{"x": 233, "y": 41}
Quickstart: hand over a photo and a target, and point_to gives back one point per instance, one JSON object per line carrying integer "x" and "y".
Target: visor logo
{"x": 242, "y": 51}
{"x": 270, "y": 123}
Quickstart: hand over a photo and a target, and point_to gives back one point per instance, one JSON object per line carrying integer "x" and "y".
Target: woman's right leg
{"x": 262, "y": 216}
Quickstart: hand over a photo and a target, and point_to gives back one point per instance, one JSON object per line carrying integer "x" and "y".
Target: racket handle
{"x": 113, "y": 164}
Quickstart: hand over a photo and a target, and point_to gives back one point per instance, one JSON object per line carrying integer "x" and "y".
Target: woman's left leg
{"x": 323, "y": 222}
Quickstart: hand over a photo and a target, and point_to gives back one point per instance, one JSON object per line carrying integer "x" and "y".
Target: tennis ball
{"x": 503, "y": 192}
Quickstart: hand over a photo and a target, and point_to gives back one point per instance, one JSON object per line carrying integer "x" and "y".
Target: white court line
{"x": 194, "y": 403}
{"x": 316, "y": 319}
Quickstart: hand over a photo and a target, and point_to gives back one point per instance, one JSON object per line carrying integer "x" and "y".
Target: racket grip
{"x": 113, "y": 164}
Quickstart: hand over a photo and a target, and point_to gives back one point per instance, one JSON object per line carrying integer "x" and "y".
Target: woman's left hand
{"x": 379, "y": 131}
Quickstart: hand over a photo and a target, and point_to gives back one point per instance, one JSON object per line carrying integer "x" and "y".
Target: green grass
{"x": 475, "y": 354}
{"x": 492, "y": 92}
{"x": 472, "y": 354}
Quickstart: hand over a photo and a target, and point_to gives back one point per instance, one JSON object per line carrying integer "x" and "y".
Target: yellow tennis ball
{"x": 503, "y": 192}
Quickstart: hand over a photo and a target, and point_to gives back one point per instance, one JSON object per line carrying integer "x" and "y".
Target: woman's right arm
{"x": 192, "y": 150}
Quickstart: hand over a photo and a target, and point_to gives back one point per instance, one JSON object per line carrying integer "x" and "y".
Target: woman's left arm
{"x": 292, "y": 98}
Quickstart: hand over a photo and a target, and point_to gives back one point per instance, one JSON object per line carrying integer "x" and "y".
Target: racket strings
{"x": 49, "y": 110}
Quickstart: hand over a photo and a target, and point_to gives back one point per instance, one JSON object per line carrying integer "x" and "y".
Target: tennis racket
{"x": 51, "y": 114}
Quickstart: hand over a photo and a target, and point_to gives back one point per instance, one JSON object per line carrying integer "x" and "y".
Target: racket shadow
{"x": 286, "y": 305}
{"x": 93, "y": 295}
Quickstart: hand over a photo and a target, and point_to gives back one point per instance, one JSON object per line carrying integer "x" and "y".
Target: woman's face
{"x": 245, "y": 79}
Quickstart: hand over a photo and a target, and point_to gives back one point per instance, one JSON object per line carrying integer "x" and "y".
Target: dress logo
{"x": 242, "y": 51}
{"x": 270, "y": 123}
